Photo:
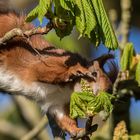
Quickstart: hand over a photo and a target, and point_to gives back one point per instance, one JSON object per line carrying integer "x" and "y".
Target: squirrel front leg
{"x": 61, "y": 117}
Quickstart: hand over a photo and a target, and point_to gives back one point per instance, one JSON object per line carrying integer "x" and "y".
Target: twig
{"x": 121, "y": 111}
{"x": 18, "y": 32}
{"x": 113, "y": 16}
{"x": 39, "y": 30}
{"x": 124, "y": 29}
{"x": 121, "y": 77}
{"x": 30, "y": 115}
{"x": 89, "y": 123}
{"x": 88, "y": 126}
{"x": 125, "y": 21}
{"x": 35, "y": 131}
{"x": 11, "y": 129}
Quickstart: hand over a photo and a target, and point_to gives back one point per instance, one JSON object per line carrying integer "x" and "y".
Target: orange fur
{"x": 19, "y": 56}
{"x": 20, "y": 64}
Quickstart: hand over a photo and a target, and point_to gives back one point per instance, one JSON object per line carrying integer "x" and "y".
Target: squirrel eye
{"x": 94, "y": 74}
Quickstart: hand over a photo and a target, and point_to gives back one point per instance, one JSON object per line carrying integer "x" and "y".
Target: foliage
{"x": 138, "y": 73}
{"x": 40, "y": 10}
{"x": 85, "y": 103}
{"x": 127, "y": 56}
{"x": 89, "y": 17}
{"x": 105, "y": 29}
{"x": 130, "y": 61}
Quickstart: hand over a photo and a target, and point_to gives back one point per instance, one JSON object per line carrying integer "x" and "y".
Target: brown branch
{"x": 120, "y": 77}
{"x": 39, "y": 30}
{"x": 87, "y": 127}
{"x": 125, "y": 21}
{"x": 113, "y": 16}
{"x": 89, "y": 123}
{"x": 18, "y": 32}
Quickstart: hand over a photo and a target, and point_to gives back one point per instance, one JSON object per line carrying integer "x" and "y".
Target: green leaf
{"x": 89, "y": 16}
{"x": 64, "y": 8}
{"x": 64, "y": 4}
{"x": 101, "y": 102}
{"x": 80, "y": 17}
{"x": 127, "y": 57}
{"x": 64, "y": 27}
{"x": 106, "y": 31}
{"x": 67, "y": 5}
{"x": 85, "y": 96}
{"x": 83, "y": 104}
{"x": 95, "y": 37}
{"x": 39, "y": 11}
{"x": 65, "y": 18}
{"x": 44, "y": 7}
{"x": 138, "y": 73}
{"x": 77, "y": 106}
{"x": 85, "y": 17}
{"x": 32, "y": 15}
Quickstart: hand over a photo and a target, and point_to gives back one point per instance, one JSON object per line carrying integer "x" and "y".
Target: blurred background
{"x": 18, "y": 115}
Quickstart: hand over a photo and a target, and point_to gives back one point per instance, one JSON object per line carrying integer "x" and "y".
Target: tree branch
{"x": 125, "y": 21}
{"x": 36, "y": 130}
{"x": 11, "y": 129}
{"x": 18, "y": 32}
{"x": 30, "y": 115}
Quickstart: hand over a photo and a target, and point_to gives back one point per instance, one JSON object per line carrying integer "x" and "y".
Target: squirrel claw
{"x": 83, "y": 132}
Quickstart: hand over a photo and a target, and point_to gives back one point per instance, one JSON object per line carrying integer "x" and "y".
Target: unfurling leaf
{"x": 85, "y": 103}
{"x": 101, "y": 102}
{"x": 127, "y": 56}
{"x": 77, "y": 108}
{"x": 85, "y": 17}
{"x": 135, "y": 61}
{"x": 138, "y": 73}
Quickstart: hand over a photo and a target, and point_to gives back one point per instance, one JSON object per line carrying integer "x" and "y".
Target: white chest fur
{"x": 43, "y": 93}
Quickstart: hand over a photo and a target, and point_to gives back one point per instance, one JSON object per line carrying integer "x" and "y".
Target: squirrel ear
{"x": 102, "y": 59}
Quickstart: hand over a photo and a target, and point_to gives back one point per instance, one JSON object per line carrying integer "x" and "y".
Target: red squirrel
{"x": 50, "y": 79}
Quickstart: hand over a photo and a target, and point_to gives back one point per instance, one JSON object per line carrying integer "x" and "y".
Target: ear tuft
{"x": 102, "y": 59}
{"x": 113, "y": 70}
